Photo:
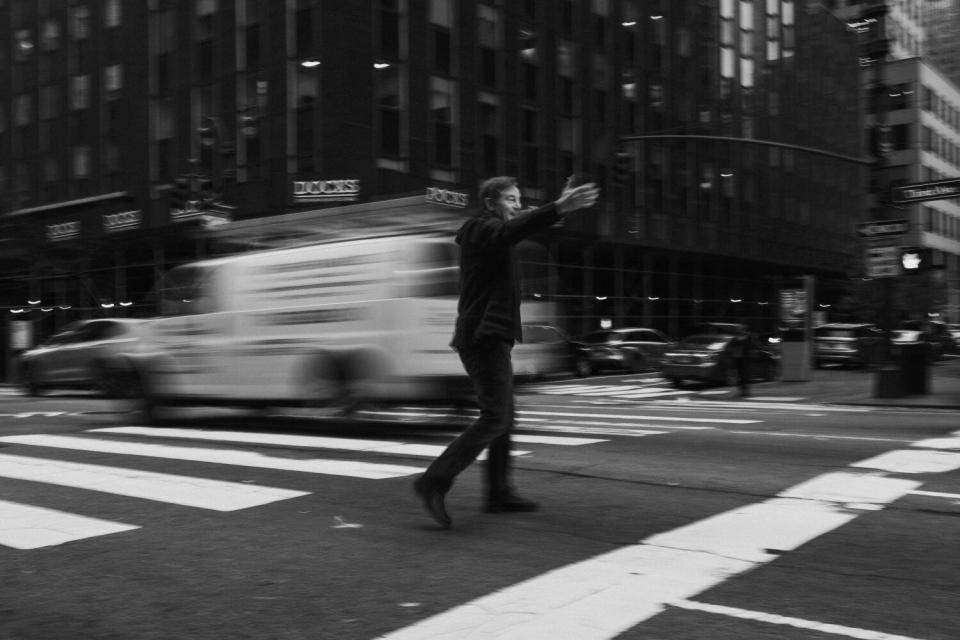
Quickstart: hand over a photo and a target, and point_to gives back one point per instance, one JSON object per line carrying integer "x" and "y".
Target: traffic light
{"x": 209, "y": 132}
{"x": 179, "y": 194}
{"x": 915, "y": 259}
{"x": 622, "y": 169}
{"x": 206, "y": 193}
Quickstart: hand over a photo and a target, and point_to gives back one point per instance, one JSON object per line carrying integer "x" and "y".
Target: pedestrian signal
{"x": 916, "y": 259}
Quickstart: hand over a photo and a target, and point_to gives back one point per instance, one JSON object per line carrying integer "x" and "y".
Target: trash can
{"x": 915, "y": 368}
{"x": 795, "y": 354}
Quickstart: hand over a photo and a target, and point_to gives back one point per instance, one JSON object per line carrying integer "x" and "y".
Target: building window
{"x": 22, "y": 110}
{"x": 112, "y": 13}
{"x": 529, "y": 136}
{"x": 49, "y": 102}
{"x": 80, "y": 92}
{"x": 392, "y": 29}
{"x": 204, "y": 67}
{"x": 23, "y": 45}
{"x": 112, "y": 80}
{"x": 81, "y": 162}
{"x": 490, "y": 38}
{"x": 441, "y": 35}
{"x": 490, "y": 137}
{"x": 80, "y": 22}
{"x": 443, "y": 115}
{"x": 252, "y": 46}
{"x": 566, "y": 68}
{"x": 391, "y": 104}
{"x": 50, "y": 35}
{"x": 51, "y": 170}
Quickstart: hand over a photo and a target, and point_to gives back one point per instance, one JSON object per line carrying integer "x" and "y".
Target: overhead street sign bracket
{"x": 881, "y": 228}
{"x": 921, "y": 191}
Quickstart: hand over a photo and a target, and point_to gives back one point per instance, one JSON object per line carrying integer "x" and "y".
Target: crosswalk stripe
{"x": 202, "y": 493}
{"x": 526, "y": 412}
{"x": 604, "y": 596}
{"x": 321, "y": 442}
{"x": 28, "y": 527}
{"x": 351, "y": 468}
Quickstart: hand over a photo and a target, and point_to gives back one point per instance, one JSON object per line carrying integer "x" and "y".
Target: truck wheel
{"x": 583, "y": 367}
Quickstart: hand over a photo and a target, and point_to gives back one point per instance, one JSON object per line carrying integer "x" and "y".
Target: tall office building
{"x": 724, "y": 133}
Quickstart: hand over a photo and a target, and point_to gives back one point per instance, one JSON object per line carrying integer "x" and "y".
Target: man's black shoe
{"x": 510, "y": 503}
{"x": 432, "y": 495}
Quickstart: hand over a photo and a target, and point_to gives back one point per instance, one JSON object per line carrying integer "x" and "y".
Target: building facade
{"x": 724, "y": 134}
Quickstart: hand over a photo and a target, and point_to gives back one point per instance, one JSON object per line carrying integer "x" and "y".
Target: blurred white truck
{"x": 325, "y": 325}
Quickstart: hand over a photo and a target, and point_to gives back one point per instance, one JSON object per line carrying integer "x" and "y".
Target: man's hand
{"x": 574, "y": 198}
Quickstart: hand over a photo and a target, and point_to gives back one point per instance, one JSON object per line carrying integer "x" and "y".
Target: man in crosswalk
{"x": 488, "y": 324}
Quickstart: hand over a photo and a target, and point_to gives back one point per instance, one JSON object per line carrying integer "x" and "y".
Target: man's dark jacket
{"x": 490, "y": 273}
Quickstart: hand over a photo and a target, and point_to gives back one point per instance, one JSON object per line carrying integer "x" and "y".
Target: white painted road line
{"x": 913, "y": 461}
{"x": 527, "y": 412}
{"x": 798, "y": 623}
{"x": 937, "y": 494}
{"x": 604, "y": 596}
{"x": 202, "y": 493}
{"x": 26, "y": 527}
{"x": 351, "y": 468}
{"x": 323, "y": 442}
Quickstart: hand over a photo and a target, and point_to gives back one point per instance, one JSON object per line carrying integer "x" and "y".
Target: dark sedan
{"x": 76, "y": 356}
{"x": 628, "y": 349}
{"x": 709, "y": 357}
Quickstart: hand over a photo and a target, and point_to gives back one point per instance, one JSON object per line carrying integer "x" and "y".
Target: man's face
{"x": 508, "y": 204}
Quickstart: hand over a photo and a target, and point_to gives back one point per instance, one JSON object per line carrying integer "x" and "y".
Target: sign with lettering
{"x": 61, "y": 231}
{"x": 447, "y": 197}
{"x": 921, "y": 191}
{"x": 310, "y": 191}
{"x": 122, "y": 221}
{"x": 883, "y": 262}
{"x": 879, "y": 228}
{"x": 793, "y": 307}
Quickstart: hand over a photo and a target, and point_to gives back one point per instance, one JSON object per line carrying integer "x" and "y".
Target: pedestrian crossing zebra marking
{"x": 24, "y": 526}
{"x": 30, "y": 527}
{"x": 216, "y": 495}
{"x": 353, "y": 468}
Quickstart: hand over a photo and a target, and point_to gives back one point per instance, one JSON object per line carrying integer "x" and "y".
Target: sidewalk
{"x": 854, "y": 386}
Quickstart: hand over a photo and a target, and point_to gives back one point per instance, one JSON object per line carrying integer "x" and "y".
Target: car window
{"x": 599, "y": 337}
{"x": 535, "y": 333}
{"x": 114, "y": 330}
{"x": 832, "y": 332}
{"x": 652, "y": 336}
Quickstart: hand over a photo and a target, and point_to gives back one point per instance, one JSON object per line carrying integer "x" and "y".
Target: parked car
{"x": 709, "y": 357}
{"x": 77, "y": 356}
{"x": 935, "y": 334}
{"x": 854, "y": 344}
{"x": 545, "y": 350}
{"x": 900, "y": 338}
{"x": 954, "y": 330}
{"x": 629, "y": 349}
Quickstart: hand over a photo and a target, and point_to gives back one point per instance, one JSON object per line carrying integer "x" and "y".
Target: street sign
{"x": 883, "y": 262}
{"x": 920, "y": 191}
{"x": 879, "y": 228}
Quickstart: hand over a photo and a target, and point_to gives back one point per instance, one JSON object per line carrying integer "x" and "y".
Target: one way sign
{"x": 880, "y": 228}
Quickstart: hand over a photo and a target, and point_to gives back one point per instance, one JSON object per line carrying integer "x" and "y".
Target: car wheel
{"x": 583, "y": 367}
{"x": 29, "y": 383}
{"x": 637, "y": 363}
{"x": 730, "y": 377}
{"x": 770, "y": 372}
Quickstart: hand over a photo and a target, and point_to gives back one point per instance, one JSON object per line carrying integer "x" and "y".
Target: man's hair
{"x": 493, "y": 187}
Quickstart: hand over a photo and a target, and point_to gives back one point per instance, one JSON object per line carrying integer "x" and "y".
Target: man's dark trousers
{"x": 488, "y": 363}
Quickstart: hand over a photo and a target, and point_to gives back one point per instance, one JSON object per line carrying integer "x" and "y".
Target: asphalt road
{"x": 665, "y": 517}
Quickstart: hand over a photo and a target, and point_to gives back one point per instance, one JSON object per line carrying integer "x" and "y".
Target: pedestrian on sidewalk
{"x": 744, "y": 351}
{"x": 488, "y": 324}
